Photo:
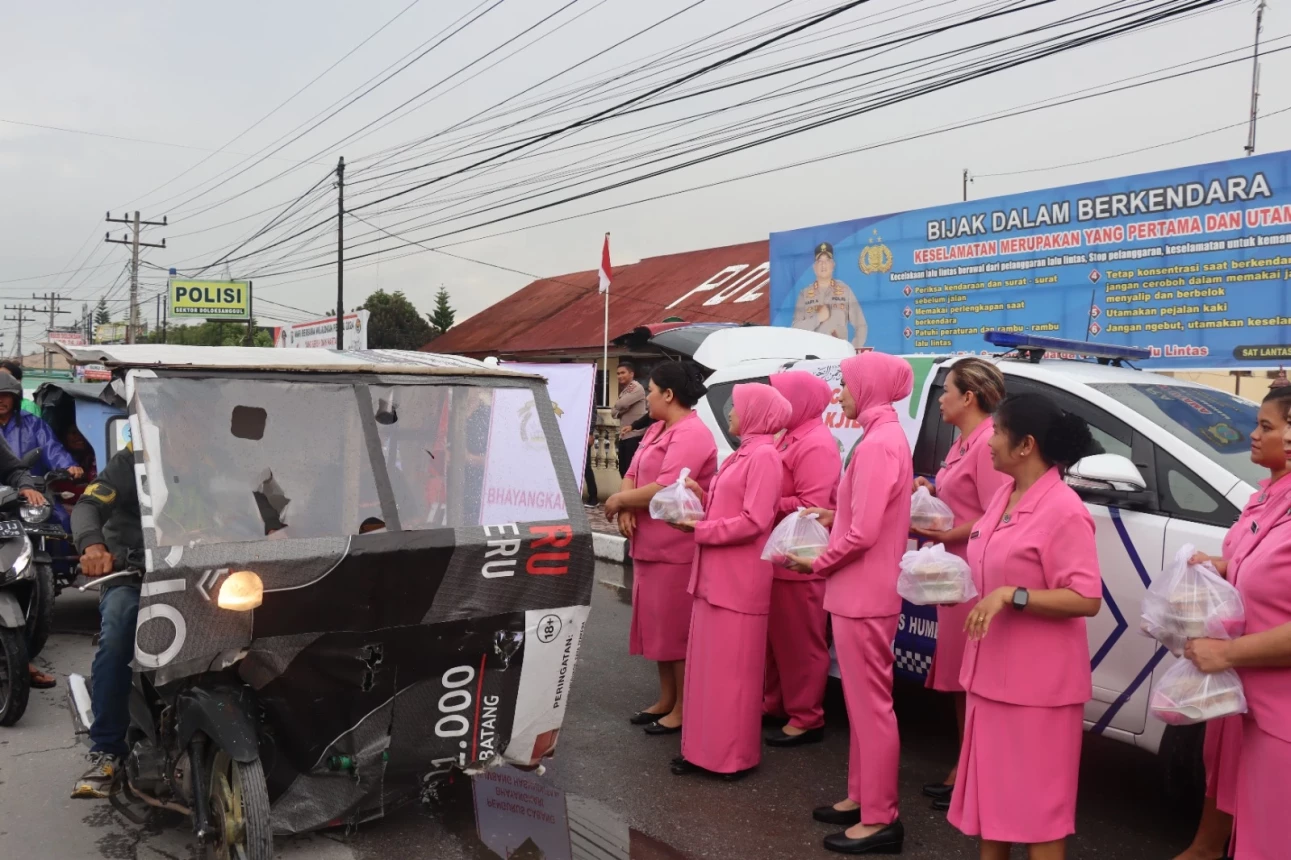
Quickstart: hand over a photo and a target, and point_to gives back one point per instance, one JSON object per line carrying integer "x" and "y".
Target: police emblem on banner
{"x": 876, "y": 258}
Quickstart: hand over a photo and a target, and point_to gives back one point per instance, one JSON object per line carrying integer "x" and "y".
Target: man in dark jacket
{"x": 108, "y": 533}
{"x": 14, "y": 474}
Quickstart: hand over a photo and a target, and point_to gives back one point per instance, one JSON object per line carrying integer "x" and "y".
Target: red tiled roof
{"x": 566, "y": 313}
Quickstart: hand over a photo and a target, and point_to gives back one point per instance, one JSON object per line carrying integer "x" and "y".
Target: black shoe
{"x": 656, "y": 730}
{"x": 811, "y": 736}
{"x": 941, "y": 804}
{"x": 937, "y": 790}
{"x": 681, "y": 767}
{"x": 771, "y": 721}
{"x": 837, "y": 817}
{"x": 735, "y": 777}
{"x": 887, "y": 841}
{"x": 645, "y": 718}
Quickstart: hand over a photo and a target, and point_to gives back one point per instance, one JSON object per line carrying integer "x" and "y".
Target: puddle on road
{"x": 505, "y": 814}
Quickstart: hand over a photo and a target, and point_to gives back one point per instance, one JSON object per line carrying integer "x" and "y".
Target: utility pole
{"x": 86, "y": 322}
{"x": 965, "y": 184}
{"x": 19, "y": 319}
{"x": 51, "y": 301}
{"x": 132, "y": 328}
{"x": 1255, "y": 78}
{"x": 340, "y": 253}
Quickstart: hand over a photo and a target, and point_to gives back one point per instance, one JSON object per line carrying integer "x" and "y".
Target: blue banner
{"x": 1192, "y": 263}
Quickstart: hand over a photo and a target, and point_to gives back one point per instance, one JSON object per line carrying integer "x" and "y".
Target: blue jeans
{"x": 110, "y": 678}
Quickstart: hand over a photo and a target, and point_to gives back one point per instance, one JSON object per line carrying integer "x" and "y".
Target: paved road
{"x": 619, "y": 789}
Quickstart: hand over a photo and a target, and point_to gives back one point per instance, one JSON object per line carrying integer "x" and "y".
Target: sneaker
{"x": 97, "y": 781}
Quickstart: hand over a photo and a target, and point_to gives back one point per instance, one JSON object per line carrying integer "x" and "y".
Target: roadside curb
{"x": 609, "y": 547}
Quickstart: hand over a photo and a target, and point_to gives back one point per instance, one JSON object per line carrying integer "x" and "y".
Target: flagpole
{"x": 605, "y": 348}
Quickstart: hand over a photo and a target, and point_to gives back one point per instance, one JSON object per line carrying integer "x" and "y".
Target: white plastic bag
{"x": 929, "y": 512}
{"x": 675, "y": 503}
{"x": 930, "y": 576}
{"x": 798, "y": 534}
{"x": 1191, "y": 601}
{"x": 1186, "y": 695}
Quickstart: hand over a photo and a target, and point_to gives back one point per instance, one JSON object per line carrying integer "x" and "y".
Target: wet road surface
{"x": 607, "y": 795}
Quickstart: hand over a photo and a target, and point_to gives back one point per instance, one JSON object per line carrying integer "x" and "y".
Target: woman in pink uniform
{"x": 796, "y": 626}
{"x": 1026, "y": 664}
{"x": 967, "y": 482}
{"x": 869, "y": 534}
{"x": 731, "y": 585}
{"x": 1224, "y": 737}
{"x": 1261, "y": 570}
{"x": 662, "y": 556}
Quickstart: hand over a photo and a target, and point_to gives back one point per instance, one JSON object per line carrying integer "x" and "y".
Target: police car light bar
{"x": 1034, "y": 348}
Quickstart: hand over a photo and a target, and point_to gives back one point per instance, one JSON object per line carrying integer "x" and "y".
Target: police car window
{"x": 1184, "y": 495}
{"x": 1110, "y": 434}
{"x": 1214, "y": 423}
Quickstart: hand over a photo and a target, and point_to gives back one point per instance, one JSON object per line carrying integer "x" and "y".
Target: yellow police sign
{"x": 225, "y": 300}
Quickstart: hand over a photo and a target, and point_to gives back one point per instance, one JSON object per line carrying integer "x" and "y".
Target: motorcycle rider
{"x": 25, "y": 432}
{"x": 108, "y": 533}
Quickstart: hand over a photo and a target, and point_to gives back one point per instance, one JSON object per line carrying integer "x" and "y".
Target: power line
{"x": 983, "y": 120}
{"x": 974, "y": 72}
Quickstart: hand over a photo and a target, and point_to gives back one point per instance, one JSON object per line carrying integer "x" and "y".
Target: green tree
{"x": 212, "y": 333}
{"x": 102, "y": 315}
{"x": 394, "y": 322}
{"x": 443, "y": 317}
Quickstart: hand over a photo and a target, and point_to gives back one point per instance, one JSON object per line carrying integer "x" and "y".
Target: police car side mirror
{"x": 1106, "y": 473}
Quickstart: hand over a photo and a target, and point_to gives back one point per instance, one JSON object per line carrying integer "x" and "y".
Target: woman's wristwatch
{"x": 1020, "y": 598}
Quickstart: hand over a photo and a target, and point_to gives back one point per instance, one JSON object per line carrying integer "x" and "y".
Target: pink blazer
{"x": 968, "y": 480}
{"x": 1047, "y": 542}
{"x": 812, "y": 466}
{"x": 872, "y": 524}
{"x": 1266, "y": 505}
{"x": 687, "y": 444}
{"x": 1261, "y": 570}
{"x": 741, "y": 509}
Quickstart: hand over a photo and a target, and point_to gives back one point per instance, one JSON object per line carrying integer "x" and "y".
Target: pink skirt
{"x": 722, "y": 712}
{"x": 1018, "y": 772}
{"x": 660, "y": 610}
{"x": 1222, "y": 754}
{"x": 1259, "y": 824}
{"x": 948, "y": 658}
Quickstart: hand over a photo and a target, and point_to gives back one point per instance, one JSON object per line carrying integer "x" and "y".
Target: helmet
{"x": 11, "y": 385}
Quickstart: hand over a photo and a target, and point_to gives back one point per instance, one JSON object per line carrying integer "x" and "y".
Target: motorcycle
{"x": 194, "y": 749}
{"x": 335, "y": 613}
{"x": 26, "y": 599}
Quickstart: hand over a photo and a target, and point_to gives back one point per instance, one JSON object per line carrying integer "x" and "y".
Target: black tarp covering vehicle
{"x": 417, "y": 538}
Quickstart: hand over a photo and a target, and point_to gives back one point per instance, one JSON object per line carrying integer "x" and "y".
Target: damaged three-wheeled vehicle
{"x": 361, "y": 570}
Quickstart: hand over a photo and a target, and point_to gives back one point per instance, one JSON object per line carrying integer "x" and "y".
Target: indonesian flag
{"x": 605, "y": 272}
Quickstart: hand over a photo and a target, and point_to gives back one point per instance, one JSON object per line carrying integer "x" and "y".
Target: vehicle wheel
{"x": 15, "y": 683}
{"x": 40, "y": 612}
{"x": 239, "y": 807}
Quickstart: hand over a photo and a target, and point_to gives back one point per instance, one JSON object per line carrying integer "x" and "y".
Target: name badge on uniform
{"x": 974, "y": 535}
{"x": 1255, "y": 528}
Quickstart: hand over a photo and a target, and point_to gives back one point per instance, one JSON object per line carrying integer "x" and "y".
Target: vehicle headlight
{"x": 241, "y": 592}
{"x": 34, "y": 513}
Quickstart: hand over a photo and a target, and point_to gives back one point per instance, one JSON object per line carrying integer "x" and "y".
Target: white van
{"x": 1176, "y": 470}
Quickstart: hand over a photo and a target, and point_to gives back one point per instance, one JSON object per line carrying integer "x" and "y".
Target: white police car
{"x": 1176, "y": 470}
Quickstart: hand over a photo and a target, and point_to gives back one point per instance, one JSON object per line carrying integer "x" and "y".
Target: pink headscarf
{"x": 808, "y": 395}
{"x": 876, "y": 381}
{"x": 763, "y": 411}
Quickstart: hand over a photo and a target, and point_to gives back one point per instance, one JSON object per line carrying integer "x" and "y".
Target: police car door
{"x": 1130, "y": 530}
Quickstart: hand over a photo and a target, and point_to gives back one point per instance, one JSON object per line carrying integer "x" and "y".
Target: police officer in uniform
{"x": 829, "y": 306}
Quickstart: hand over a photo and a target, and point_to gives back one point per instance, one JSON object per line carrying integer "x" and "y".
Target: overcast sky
{"x": 184, "y": 79}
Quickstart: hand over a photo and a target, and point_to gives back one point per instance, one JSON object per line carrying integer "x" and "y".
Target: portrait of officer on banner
{"x": 828, "y": 305}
